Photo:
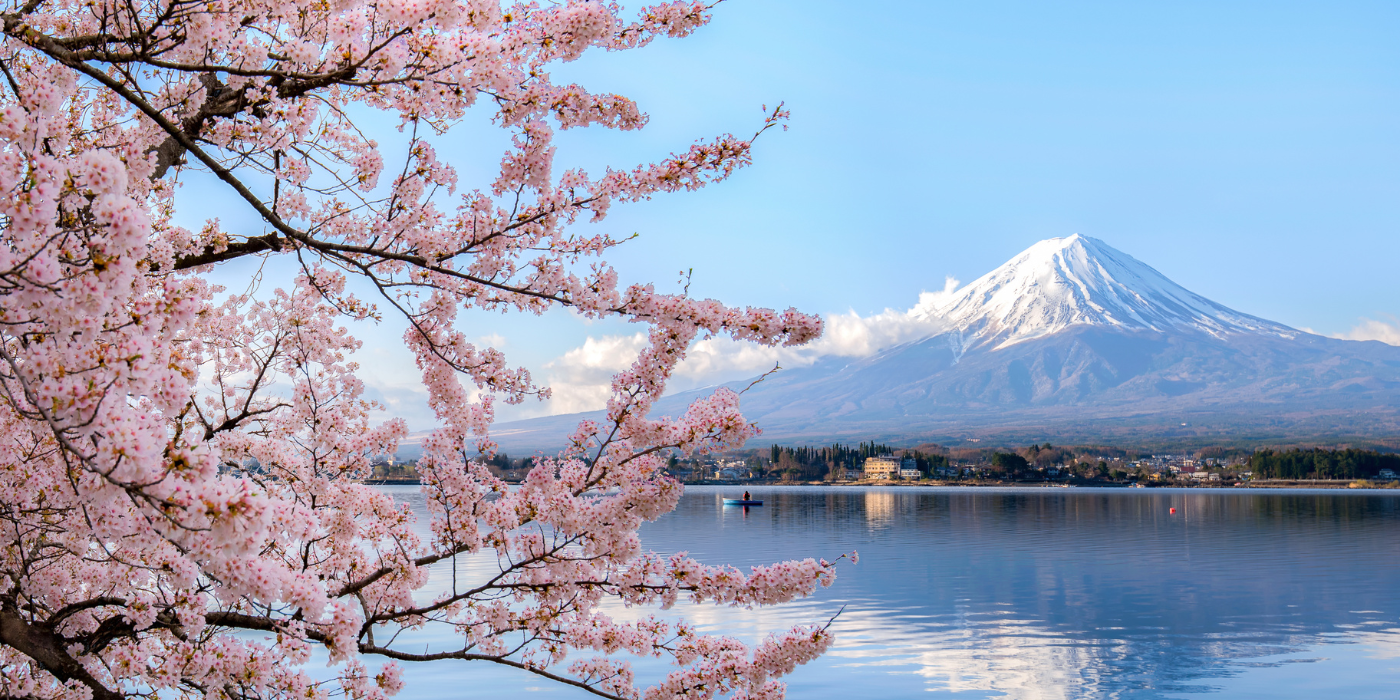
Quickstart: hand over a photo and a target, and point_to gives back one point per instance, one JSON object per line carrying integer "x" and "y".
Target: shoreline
{"x": 1259, "y": 484}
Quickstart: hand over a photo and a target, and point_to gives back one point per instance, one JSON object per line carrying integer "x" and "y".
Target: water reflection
{"x": 879, "y": 508}
{"x": 1074, "y": 594}
{"x": 1053, "y": 593}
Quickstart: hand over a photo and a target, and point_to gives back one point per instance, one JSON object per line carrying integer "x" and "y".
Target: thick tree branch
{"x": 48, "y": 649}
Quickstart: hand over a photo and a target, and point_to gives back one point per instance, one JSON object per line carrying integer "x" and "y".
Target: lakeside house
{"x": 1387, "y": 474}
{"x": 891, "y": 467}
{"x": 732, "y": 469}
{"x": 882, "y": 467}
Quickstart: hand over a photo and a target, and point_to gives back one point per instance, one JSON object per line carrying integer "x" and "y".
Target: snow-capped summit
{"x": 1082, "y": 281}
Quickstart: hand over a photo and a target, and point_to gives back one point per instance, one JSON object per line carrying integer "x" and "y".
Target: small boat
{"x": 741, "y": 502}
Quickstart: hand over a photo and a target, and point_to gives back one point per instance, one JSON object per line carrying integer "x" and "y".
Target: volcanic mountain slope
{"x": 1074, "y": 339}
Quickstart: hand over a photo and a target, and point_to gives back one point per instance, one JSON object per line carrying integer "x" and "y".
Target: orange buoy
{"x": 1173, "y": 511}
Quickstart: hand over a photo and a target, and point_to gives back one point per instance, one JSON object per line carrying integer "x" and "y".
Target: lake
{"x": 1050, "y": 593}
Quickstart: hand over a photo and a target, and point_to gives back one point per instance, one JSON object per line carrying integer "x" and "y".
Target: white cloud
{"x": 1371, "y": 329}
{"x": 846, "y": 335}
{"x": 849, "y": 335}
{"x": 581, "y": 377}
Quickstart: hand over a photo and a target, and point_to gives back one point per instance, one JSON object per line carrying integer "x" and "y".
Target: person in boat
{"x": 746, "y": 495}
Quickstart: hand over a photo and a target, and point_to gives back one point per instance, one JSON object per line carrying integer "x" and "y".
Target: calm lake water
{"x": 1049, "y": 593}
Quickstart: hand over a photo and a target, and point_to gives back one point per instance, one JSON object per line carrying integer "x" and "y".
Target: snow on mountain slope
{"x": 1081, "y": 281}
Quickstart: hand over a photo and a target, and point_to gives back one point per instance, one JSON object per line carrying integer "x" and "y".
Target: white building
{"x": 884, "y": 466}
{"x": 1388, "y": 474}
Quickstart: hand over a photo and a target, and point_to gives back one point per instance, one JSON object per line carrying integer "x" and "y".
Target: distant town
{"x": 1046, "y": 464}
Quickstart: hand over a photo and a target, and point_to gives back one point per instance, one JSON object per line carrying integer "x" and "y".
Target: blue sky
{"x": 1249, "y": 151}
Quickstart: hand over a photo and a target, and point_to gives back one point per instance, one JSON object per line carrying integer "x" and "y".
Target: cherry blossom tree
{"x": 181, "y": 506}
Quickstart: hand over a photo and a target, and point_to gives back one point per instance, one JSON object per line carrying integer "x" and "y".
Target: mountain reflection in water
{"x": 1053, "y": 593}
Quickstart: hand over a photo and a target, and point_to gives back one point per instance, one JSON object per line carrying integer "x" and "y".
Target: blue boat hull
{"x": 741, "y": 502}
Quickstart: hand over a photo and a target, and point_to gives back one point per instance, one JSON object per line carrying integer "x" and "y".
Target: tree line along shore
{"x": 1032, "y": 464}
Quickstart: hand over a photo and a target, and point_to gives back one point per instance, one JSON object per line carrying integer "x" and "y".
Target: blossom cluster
{"x": 181, "y": 466}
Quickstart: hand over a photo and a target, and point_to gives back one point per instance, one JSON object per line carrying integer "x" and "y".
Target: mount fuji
{"x": 1062, "y": 283}
{"x": 1073, "y": 340}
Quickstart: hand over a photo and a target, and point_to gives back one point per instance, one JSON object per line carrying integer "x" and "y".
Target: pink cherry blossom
{"x": 181, "y": 466}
